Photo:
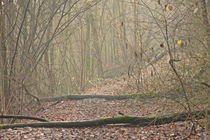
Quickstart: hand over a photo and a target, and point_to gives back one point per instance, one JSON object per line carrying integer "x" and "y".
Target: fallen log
{"x": 22, "y": 117}
{"x": 86, "y": 96}
{"x": 124, "y": 119}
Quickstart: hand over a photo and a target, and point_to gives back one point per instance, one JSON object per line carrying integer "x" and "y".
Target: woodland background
{"x": 58, "y": 47}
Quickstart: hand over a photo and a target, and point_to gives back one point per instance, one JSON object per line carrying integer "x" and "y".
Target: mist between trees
{"x": 59, "y": 47}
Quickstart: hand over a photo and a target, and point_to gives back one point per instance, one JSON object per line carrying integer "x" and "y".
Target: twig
{"x": 203, "y": 83}
{"x": 23, "y": 117}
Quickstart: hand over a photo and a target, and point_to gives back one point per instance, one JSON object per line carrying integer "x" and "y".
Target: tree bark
{"x": 22, "y": 117}
{"x": 204, "y": 12}
{"x": 106, "y": 97}
{"x": 124, "y": 119}
{"x": 96, "y": 42}
{"x": 4, "y": 92}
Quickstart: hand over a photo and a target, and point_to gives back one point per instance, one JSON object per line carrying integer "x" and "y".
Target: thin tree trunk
{"x": 49, "y": 59}
{"x": 137, "y": 48}
{"x": 3, "y": 62}
{"x": 97, "y": 47}
{"x": 124, "y": 38}
{"x": 82, "y": 52}
{"x": 205, "y": 21}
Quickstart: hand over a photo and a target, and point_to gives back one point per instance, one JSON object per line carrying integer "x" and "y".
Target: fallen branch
{"x": 124, "y": 119}
{"x": 22, "y": 117}
{"x": 206, "y": 84}
{"x": 106, "y": 97}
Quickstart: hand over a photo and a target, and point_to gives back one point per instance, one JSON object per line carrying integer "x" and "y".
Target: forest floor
{"x": 87, "y": 109}
{"x": 95, "y": 108}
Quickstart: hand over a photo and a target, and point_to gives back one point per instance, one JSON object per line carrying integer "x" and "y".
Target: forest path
{"x": 87, "y": 109}
{"x": 77, "y": 110}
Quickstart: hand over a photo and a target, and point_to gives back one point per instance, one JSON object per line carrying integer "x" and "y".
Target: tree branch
{"x": 22, "y": 117}
{"x": 124, "y": 119}
{"x": 101, "y": 96}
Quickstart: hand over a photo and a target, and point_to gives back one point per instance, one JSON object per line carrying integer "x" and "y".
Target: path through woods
{"x": 88, "y": 109}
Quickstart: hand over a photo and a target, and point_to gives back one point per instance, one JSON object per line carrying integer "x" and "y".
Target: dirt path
{"x": 94, "y": 108}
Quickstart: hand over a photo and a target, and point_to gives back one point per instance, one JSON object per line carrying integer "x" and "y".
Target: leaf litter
{"x": 87, "y": 109}
{"x": 92, "y": 109}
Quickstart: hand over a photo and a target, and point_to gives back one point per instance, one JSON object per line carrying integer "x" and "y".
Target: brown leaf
{"x": 170, "y": 7}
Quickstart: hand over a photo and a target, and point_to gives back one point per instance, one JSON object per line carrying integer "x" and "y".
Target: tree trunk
{"x": 3, "y": 62}
{"x": 49, "y": 57}
{"x": 205, "y": 20}
{"x": 97, "y": 47}
{"x": 124, "y": 34}
{"x": 83, "y": 61}
{"x": 124, "y": 119}
{"x": 22, "y": 117}
{"x": 106, "y": 97}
